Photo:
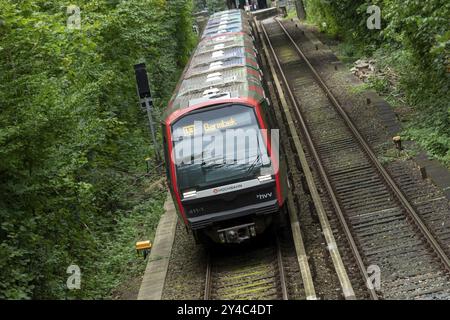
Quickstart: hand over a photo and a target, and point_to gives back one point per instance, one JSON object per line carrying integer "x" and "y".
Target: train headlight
{"x": 189, "y": 194}
{"x": 266, "y": 177}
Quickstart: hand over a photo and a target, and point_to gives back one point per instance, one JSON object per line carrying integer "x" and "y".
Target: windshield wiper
{"x": 249, "y": 171}
{"x": 212, "y": 163}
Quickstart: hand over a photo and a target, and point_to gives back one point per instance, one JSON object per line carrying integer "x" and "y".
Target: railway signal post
{"x": 145, "y": 97}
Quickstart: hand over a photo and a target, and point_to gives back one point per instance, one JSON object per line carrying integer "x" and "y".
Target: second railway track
{"x": 381, "y": 225}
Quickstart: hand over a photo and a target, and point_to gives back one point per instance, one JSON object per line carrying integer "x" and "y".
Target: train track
{"x": 244, "y": 274}
{"x": 383, "y": 229}
{"x": 299, "y": 171}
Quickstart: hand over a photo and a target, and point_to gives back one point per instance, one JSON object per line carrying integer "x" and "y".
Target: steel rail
{"x": 207, "y": 293}
{"x": 322, "y": 172}
{"x": 279, "y": 263}
{"x": 367, "y": 149}
{"x": 302, "y": 258}
{"x": 281, "y": 268}
{"x": 346, "y": 285}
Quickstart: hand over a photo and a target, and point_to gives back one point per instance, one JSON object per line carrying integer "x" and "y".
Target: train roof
{"x": 227, "y": 13}
{"x": 224, "y": 23}
{"x": 224, "y": 66}
{"x": 218, "y": 79}
{"x": 222, "y": 54}
{"x": 226, "y": 18}
{"x": 239, "y": 91}
{"x": 226, "y": 28}
{"x": 224, "y": 41}
{"x": 231, "y": 50}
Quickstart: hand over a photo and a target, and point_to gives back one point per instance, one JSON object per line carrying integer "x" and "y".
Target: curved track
{"x": 383, "y": 228}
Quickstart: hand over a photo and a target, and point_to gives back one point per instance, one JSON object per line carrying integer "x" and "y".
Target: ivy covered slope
{"x": 414, "y": 41}
{"x": 73, "y": 139}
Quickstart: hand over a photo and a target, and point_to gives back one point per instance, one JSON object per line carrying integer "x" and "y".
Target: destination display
{"x": 208, "y": 126}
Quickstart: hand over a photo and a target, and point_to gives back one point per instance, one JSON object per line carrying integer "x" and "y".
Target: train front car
{"x": 225, "y": 172}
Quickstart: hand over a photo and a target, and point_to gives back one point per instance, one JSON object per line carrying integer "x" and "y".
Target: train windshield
{"x": 218, "y": 146}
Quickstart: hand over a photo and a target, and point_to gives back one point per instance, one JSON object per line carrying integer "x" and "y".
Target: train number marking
{"x": 263, "y": 196}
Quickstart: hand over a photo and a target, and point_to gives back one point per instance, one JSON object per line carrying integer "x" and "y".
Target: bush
{"x": 415, "y": 41}
{"x": 72, "y": 136}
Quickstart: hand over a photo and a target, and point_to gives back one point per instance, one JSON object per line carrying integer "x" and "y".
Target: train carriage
{"x": 223, "y": 52}
{"x": 224, "y": 171}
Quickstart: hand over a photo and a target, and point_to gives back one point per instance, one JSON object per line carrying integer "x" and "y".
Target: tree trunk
{"x": 300, "y": 7}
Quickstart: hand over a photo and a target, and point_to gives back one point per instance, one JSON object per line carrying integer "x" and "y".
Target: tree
{"x": 72, "y": 137}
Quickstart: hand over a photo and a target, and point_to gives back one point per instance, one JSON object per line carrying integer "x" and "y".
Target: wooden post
{"x": 300, "y": 7}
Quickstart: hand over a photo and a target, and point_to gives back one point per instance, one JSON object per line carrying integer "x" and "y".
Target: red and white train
{"x": 225, "y": 171}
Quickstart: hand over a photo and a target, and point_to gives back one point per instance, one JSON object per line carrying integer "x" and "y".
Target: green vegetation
{"x": 73, "y": 139}
{"x": 413, "y": 46}
{"x": 291, "y": 13}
